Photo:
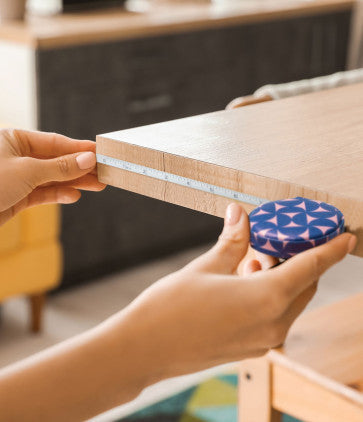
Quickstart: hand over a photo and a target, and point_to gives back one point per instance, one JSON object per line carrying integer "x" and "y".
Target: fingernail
{"x": 86, "y": 160}
{"x": 352, "y": 243}
{"x": 233, "y": 214}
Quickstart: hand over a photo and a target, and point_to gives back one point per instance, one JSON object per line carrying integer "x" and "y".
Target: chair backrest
{"x": 279, "y": 91}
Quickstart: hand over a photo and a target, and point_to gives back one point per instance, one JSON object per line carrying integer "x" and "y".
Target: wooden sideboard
{"x": 163, "y": 17}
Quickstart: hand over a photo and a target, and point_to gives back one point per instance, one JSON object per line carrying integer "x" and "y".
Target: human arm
{"x": 203, "y": 315}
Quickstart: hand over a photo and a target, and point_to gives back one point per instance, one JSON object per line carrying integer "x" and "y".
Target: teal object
{"x": 214, "y": 400}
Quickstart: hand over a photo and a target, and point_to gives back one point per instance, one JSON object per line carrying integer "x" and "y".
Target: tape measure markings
{"x": 180, "y": 180}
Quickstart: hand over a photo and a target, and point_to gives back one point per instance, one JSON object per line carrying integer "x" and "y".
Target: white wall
{"x": 18, "y": 106}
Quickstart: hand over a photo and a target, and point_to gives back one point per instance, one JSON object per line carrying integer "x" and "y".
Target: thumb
{"x": 63, "y": 168}
{"x": 232, "y": 244}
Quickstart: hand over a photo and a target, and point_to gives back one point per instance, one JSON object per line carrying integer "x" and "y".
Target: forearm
{"x": 77, "y": 379}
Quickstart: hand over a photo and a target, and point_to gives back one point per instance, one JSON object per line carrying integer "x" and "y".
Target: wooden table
{"x": 81, "y": 74}
{"x": 310, "y": 146}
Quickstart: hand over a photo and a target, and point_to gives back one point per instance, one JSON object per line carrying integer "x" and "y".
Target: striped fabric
{"x": 306, "y": 86}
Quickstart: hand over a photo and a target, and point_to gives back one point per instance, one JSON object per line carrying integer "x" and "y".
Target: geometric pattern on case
{"x": 287, "y": 227}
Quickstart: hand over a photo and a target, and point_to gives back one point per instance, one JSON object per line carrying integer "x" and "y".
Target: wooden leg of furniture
{"x": 254, "y": 396}
{"x": 36, "y": 308}
{"x": 310, "y": 397}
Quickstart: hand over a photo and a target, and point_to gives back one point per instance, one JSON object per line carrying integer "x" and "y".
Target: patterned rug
{"x": 214, "y": 400}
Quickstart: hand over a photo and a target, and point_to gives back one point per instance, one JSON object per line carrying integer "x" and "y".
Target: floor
{"x": 76, "y": 310}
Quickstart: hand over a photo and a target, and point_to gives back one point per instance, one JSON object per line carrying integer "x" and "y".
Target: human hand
{"x": 203, "y": 315}
{"x": 206, "y": 314}
{"x": 39, "y": 168}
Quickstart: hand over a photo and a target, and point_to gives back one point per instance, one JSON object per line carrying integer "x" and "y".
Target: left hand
{"x": 40, "y": 168}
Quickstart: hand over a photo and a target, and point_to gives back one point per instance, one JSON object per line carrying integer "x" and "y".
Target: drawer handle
{"x": 150, "y": 104}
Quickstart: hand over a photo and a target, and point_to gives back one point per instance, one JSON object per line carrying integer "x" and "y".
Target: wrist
{"x": 134, "y": 342}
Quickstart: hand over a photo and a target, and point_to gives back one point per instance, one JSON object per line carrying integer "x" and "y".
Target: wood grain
{"x": 310, "y": 401}
{"x": 255, "y": 392}
{"x": 308, "y": 146}
{"x": 116, "y": 24}
{"x": 318, "y": 374}
{"x": 328, "y": 341}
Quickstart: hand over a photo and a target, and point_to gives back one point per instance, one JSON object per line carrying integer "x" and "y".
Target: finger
{"x": 250, "y": 255}
{"x": 48, "y": 145}
{"x": 89, "y": 185}
{"x": 60, "y": 169}
{"x": 267, "y": 261}
{"x": 251, "y": 266}
{"x": 50, "y": 195}
{"x": 87, "y": 182}
{"x": 301, "y": 271}
{"x": 40, "y": 196}
{"x": 232, "y": 244}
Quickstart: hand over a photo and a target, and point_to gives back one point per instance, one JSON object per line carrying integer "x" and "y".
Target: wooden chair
{"x": 317, "y": 376}
{"x": 279, "y": 91}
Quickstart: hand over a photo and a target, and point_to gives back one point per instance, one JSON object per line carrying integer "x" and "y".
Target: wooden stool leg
{"x": 36, "y": 308}
{"x": 254, "y": 394}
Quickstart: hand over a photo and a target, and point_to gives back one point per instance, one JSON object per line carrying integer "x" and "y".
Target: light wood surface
{"x": 310, "y": 401}
{"x": 319, "y": 371}
{"x": 255, "y": 392}
{"x": 317, "y": 375}
{"x": 329, "y": 341}
{"x": 169, "y": 17}
{"x": 310, "y": 146}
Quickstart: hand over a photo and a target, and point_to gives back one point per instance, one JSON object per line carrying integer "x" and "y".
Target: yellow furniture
{"x": 31, "y": 257}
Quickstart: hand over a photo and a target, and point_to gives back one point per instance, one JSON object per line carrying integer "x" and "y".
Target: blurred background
{"x": 82, "y": 68}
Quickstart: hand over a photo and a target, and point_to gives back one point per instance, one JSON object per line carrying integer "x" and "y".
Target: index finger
{"x": 301, "y": 271}
{"x": 50, "y": 145}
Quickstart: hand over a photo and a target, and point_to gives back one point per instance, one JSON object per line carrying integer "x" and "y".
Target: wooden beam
{"x": 255, "y": 394}
{"x": 310, "y": 401}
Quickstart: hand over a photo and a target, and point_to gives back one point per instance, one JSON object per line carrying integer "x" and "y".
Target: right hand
{"x": 206, "y": 314}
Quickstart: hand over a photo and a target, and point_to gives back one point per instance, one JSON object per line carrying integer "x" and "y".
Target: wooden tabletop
{"x": 161, "y": 18}
{"x": 310, "y": 145}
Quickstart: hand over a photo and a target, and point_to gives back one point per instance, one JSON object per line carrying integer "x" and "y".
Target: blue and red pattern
{"x": 287, "y": 227}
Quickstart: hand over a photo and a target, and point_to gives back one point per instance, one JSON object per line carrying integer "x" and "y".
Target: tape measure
{"x": 180, "y": 180}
